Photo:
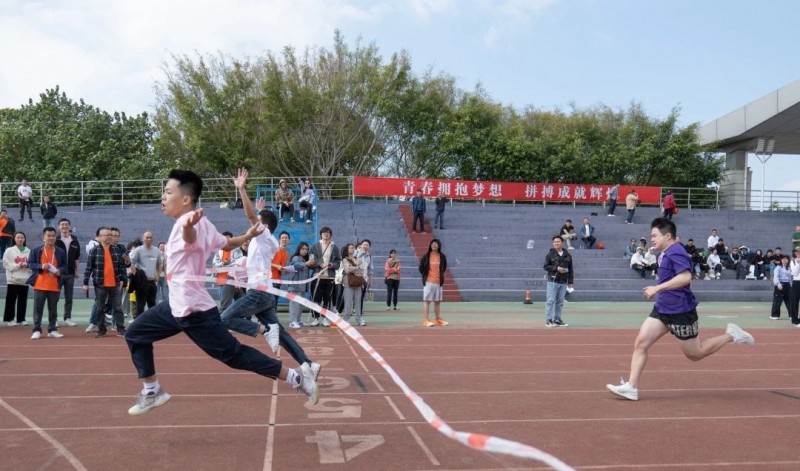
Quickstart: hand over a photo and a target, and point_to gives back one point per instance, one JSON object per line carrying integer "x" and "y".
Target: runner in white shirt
{"x": 190, "y": 308}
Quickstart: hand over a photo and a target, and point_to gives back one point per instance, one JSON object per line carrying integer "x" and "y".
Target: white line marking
{"x": 377, "y": 384}
{"x": 424, "y": 447}
{"x": 61, "y": 449}
{"x": 273, "y": 410}
{"x": 363, "y": 365}
{"x": 394, "y": 408}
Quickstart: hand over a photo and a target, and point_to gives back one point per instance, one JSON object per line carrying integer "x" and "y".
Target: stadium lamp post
{"x": 764, "y": 147}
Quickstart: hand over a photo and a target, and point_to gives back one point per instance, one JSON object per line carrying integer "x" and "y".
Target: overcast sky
{"x": 707, "y": 57}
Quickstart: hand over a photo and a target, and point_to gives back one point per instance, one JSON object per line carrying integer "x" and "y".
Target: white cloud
{"x": 510, "y": 18}
{"x": 111, "y": 52}
{"x": 423, "y": 10}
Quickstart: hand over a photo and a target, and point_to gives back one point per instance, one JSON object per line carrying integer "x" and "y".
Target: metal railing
{"x": 123, "y": 193}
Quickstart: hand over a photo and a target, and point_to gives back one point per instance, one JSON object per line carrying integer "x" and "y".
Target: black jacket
{"x": 424, "y": 266}
{"x": 73, "y": 253}
{"x": 551, "y": 263}
{"x": 49, "y": 210}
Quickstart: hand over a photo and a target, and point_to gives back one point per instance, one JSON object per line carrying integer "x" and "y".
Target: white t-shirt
{"x": 260, "y": 253}
{"x": 24, "y": 192}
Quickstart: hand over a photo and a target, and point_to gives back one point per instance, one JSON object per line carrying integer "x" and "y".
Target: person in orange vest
{"x": 228, "y": 293}
{"x": 7, "y": 229}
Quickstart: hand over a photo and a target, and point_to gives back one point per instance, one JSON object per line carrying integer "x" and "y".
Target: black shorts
{"x": 684, "y": 326}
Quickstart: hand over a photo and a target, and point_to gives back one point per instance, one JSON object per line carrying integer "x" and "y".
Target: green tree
{"x": 59, "y": 139}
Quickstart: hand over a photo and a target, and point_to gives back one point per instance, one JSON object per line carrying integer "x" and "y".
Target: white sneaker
{"x": 739, "y": 335}
{"x": 294, "y": 325}
{"x": 624, "y": 390}
{"x": 362, "y": 323}
{"x": 36, "y": 335}
{"x": 55, "y": 334}
{"x": 70, "y": 323}
{"x": 314, "y": 323}
{"x": 307, "y": 385}
{"x": 146, "y": 402}
{"x": 388, "y": 308}
{"x": 315, "y": 369}
{"x": 91, "y": 328}
{"x": 325, "y": 322}
{"x": 273, "y": 337}
{"x": 11, "y": 324}
{"x": 24, "y": 323}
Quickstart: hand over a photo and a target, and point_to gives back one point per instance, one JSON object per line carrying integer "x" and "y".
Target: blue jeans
{"x": 162, "y": 294}
{"x": 438, "y": 221}
{"x": 262, "y": 305}
{"x": 630, "y": 215}
{"x": 204, "y": 329}
{"x": 555, "y": 300}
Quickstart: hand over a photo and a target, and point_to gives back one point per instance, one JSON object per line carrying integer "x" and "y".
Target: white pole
{"x": 763, "y": 179}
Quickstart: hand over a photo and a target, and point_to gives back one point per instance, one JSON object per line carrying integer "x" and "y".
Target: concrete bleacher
{"x": 488, "y": 247}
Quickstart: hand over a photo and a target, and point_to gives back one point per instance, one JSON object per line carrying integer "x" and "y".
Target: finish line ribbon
{"x": 475, "y": 441}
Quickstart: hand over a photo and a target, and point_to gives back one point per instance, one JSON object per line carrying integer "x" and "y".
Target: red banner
{"x": 507, "y": 191}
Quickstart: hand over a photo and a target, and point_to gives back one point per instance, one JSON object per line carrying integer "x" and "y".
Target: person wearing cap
{"x": 284, "y": 200}
{"x": 638, "y": 263}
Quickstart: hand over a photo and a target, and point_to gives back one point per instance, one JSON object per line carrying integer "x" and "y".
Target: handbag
{"x": 355, "y": 281}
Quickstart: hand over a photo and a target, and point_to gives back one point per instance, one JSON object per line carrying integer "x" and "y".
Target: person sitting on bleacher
{"x": 630, "y": 249}
{"x": 284, "y": 201}
{"x": 568, "y": 233}
{"x": 700, "y": 265}
{"x": 587, "y": 233}
{"x": 738, "y": 261}
{"x": 759, "y": 262}
{"x": 715, "y": 264}
{"x": 640, "y": 264}
{"x": 690, "y": 247}
{"x": 307, "y": 201}
{"x": 722, "y": 252}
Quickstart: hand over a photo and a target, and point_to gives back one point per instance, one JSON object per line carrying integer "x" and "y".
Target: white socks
{"x": 293, "y": 377}
{"x": 151, "y": 388}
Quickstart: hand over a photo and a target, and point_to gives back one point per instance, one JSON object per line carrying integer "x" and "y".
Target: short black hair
{"x": 64, "y": 219}
{"x": 367, "y": 241}
{"x": 665, "y": 226}
{"x": 268, "y": 219}
{"x": 48, "y": 229}
{"x": 556, "y": 237}
{"x": 227, "y": 234}
{"x": 326, "y": 229}
{"x": 189, "y": 182}
{"x": 287, "y": 235}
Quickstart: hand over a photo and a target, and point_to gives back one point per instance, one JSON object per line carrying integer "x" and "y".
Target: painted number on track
{"x": 334, "y": 448}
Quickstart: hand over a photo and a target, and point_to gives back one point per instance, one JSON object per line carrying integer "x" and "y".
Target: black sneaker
{"x": 559, "y": 323}
{"x": 100, "y": 335}
{"x": 549, "y": 323}
{"x": 120, "y": 332}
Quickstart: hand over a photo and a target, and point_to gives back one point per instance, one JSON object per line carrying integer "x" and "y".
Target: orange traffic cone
{"x": 527, "y": 297}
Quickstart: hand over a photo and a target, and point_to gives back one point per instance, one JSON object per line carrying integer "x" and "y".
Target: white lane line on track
{"x": 394, "y": 408}
{"x": 424, "y": 447}
{"x": 61, "y": 449}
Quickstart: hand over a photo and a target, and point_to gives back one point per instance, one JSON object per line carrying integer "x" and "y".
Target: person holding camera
{"x": 558, "y": 265}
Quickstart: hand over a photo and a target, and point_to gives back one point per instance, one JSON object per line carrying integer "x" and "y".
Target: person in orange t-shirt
{"x": 432, "y": 267}
{"x": 280, "y": 259}
{"x": 47, "y": 262}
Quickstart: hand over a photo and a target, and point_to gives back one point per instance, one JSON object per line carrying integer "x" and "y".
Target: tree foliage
{"x": 341, "y": 111}
{"x": 59, "y": 139}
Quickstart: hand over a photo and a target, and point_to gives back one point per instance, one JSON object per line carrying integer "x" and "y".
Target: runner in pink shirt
{"x": 191, "y": 309}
